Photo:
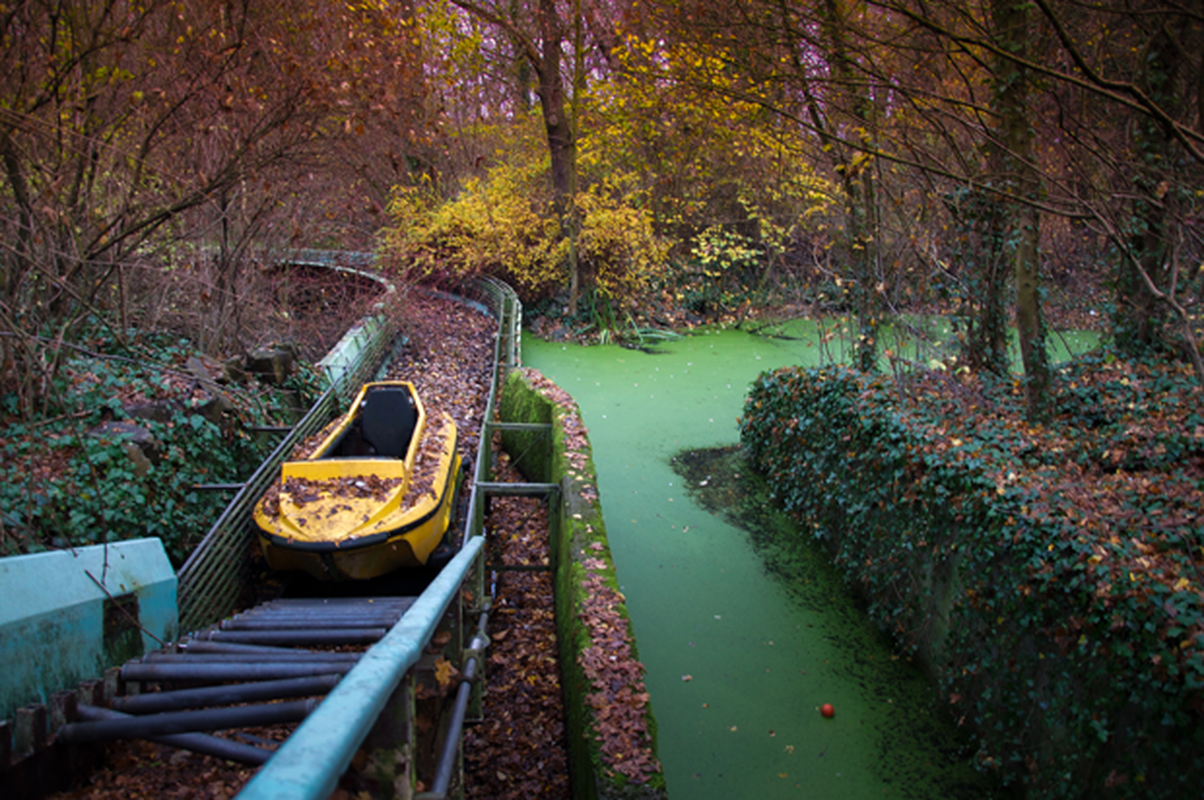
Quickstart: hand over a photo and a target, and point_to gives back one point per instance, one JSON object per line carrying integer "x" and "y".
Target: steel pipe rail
{"x": 309, "y": 764}
{"x": 451, "y": 742}
{"x": 220, "y": 673}
{"x": 206, "y": 646}
{"x": 196, "y": 742}
{"x": 304, "y": 657}
{"x": 225, "y": 695}
{"x": 303, "y": 637}
{"x": 173, "y": 722}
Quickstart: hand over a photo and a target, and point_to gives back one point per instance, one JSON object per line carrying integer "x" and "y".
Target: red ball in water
{"x": 827, "y": 710}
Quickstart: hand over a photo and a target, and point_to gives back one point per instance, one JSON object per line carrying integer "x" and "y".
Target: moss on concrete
{"x": 583, "y": 564}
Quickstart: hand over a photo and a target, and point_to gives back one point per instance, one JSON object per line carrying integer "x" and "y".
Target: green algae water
{"x": 744, "y": 636}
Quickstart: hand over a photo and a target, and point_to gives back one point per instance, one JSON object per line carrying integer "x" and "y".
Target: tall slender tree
{"x": 542, "y": 45}
{"x": 1021, "y": 181}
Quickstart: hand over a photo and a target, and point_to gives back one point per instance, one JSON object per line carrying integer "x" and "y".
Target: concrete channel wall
{"x": 591, "y": 618}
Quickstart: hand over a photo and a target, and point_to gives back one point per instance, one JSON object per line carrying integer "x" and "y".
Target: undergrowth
{"x": 64, "y": 482}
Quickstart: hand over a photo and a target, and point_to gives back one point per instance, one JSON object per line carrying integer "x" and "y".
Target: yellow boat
{"x": 375, "y": 495}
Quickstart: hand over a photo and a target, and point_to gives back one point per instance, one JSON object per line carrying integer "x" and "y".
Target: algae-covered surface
{"x": 745, "y": 635}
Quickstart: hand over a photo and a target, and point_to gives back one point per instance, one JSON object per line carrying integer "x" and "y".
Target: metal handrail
{"x": 309, "y": 763}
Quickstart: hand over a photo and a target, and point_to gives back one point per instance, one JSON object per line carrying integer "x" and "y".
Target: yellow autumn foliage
{"x": 701, "y": 143}
{"x": 504, "y": 224}
{"x": 618, "y": 242}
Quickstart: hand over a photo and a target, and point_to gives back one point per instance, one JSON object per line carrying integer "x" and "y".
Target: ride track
{"x": 248, "y": 669}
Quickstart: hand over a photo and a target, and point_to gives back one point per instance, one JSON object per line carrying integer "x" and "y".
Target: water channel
{"x": 742, "y": 652}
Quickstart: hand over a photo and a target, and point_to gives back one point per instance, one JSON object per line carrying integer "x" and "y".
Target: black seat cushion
{"x": 388, "y": 417}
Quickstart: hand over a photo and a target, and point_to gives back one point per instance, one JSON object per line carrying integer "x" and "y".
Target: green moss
{"x": 530, "y": 451}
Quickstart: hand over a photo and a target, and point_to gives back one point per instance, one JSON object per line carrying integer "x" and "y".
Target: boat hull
{"x": 360, "y": 559}
{"x": 376, "y": 495}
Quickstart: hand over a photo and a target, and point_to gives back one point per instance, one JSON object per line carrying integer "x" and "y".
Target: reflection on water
{"x": 745, "y": 635}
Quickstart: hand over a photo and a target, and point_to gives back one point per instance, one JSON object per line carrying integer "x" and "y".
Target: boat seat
{"x": 350, "y": 445}
{"x": 388, "y": 417}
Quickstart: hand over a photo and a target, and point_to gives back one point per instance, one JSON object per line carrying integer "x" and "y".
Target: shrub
{"x": 1049, "y": 576}
{"x": 498, "y": 226}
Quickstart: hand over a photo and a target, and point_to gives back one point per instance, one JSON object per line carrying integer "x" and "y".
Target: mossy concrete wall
{"x": 584, "y": 571}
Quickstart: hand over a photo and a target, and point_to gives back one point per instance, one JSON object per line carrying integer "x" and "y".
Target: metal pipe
{"x": 451, "y": 742}
{"x": 156, "y": 702}
{"x": 519, "y": 489}
{"x": 314, "y": 615}
{"x": 347, "y": 609}
{"x": 370, "y": 602}
{"x": 220, "y": 673}
{"x": 334, "y": 609}
{"x": 327, "y": 608}
{"x": 303, "y": 622}
{"x": 196, "y": 742}
{"x": 204, "y": 646}
{"x": 173, "y": 722}
{"x": 341, "y": 636}
{"x": 157, "y": 657}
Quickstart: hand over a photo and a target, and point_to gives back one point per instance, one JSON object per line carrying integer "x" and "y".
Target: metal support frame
{"x": 173, "y": 722}
{"x": 196, "y": 742}
{"x": 308, "y": 765}
{"x": 451, "y": 754}
{"x": 225, "y": 695}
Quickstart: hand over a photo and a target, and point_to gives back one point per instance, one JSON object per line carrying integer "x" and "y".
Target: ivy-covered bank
{"x": 126, "y": 433}
{"x": 1049, "y": 576}
{"x": 611, "y": 729}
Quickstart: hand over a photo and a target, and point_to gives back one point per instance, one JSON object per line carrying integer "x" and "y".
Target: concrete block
{"x": 67, "y": 615}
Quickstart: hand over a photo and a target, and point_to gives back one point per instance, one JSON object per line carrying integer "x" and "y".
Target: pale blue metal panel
{"x": 52, "y": 607}
{"x": 309, "y": 764}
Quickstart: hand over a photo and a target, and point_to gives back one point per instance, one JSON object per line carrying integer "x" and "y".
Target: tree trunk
{"x": 557, "y": 125}
{"x": 857, "y": 176}
{"x": 1022, "y": 183}
{"x": 1141, "y": 316}
{"x": 14, "y": 268}
{"x": 982, "y": 235}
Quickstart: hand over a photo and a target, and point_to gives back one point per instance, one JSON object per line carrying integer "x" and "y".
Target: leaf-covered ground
{"x": 518, "y": 750}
